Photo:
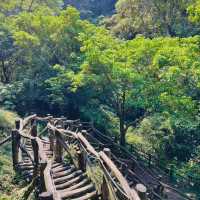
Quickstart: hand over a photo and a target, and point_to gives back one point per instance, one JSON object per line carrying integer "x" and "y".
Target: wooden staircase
{"x": 69, "y": 182}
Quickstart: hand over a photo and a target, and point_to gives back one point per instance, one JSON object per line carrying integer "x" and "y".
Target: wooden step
{"x": 68, "y": 177}
{"x": 83, "y": 183}
{"x": 89, "y": 195}
{"x": 63, "y": 173}
{"x": 78, "y": 192}
{"x": 56, "y": 164}
{"x": 61, "y": 168}
{"x": 26, "y": 167}
{"x": 71, "y": 182}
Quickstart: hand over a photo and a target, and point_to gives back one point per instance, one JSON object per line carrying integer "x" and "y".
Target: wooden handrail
{"x": 5, "y": 140}
{"x": 87, "y": 145}
{"x": 49, "y": 183}
{"x": 26, "y": 121}
{"x": 59, "y": 134}
{"x": 132, "y": 194}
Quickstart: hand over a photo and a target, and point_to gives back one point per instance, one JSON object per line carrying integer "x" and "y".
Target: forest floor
{"x": 12, "y": 186}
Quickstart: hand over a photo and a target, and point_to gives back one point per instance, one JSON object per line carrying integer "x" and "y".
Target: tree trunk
{"x": 122, "y": 121}
{"x": 122, "y": 132}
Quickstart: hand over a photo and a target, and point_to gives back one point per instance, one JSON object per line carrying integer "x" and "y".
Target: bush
{"x": 7, "y": 119}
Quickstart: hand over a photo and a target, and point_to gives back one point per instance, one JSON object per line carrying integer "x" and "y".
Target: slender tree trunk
{"x": 122, "y": 121}
{"x": 4, "y": 73}
{"x": 122, "y": 132}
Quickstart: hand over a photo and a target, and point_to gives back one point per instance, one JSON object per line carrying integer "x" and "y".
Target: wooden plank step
{"x": 63, "y": 173}
{"x": 61, "y": 168}
{"x": 56, "y": 164}
{"x": 71, "y": 182}
{"x": 78, "y": 192}
{"x": 89, "y": 195}
{"x": 24, "y": 167}
{"x": 83, "y": 183}
{"x": 25, "y": 163}
{"x": 68, "y": 177}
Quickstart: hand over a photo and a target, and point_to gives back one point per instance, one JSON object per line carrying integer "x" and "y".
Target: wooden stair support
{"x": 15, "y": 147}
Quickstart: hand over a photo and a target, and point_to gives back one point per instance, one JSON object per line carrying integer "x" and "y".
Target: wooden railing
{"x": 64, "y": 135}
{"x": 132, "y": 154}
{"x": 87, "y": 157}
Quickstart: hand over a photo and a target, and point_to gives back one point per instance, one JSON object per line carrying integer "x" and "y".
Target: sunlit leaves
{"x": 25, "y": 40}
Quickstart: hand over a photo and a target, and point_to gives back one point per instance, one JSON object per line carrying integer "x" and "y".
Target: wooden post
{"x": 34, "y": 130}
{"x": 51, "y": 139}
{"x": 107, "y": 152}
{"x": 17, "y": 124}
{"x": 36, "y": 156}
{"x": 63, "y": 118}
{"x": 141, "y": 190}
{"x": 104, "y": 190}
{"x": 65, "y": 125}
{"x": 84, "y": 132}
{"x": 104, "y": 187}
{"x": 32, "y": 121}
{"x": 58, "y": 154}
{"x": 43, "y": 165}
{"x": 15, "y": 148}
{"x": 80, "y": 128}
{"x": 50, "y": 120}
{"x": 46, "y": 196}
{"x": 81, "y": 160}
{"x": 35, "y": 148}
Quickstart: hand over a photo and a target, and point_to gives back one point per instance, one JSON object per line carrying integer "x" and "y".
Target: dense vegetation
{"x": 137, "y": 76}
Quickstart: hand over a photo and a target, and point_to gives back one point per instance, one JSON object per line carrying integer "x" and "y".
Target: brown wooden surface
{"x": 124, "y": 184}
{"x": 15, "y": 147}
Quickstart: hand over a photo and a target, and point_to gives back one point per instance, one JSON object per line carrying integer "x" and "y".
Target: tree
{"x": 14, "y": 7}
{"x": 107, "y": 70}
{"x": 7, "y": 55}
{"x": 45, "y": 40}
{"x": 151, "y": 18}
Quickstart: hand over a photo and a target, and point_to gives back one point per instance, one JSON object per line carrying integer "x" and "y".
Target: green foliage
{"x": 194, "y": 11}
{"x": 151, "y": 18}
{"x": 146, "y": 91}
{"x": 7, "y": 119}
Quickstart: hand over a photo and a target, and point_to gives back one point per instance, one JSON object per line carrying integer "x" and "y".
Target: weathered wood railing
{"x": 63, "y": 134}
{"x": 88, "y": 158}
{"x": 101, "y": 141}
{"x": 89, "y": 150}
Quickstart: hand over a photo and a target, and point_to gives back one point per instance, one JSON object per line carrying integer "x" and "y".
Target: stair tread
{"x": 87, "y": 196}
{"x": 61, "y": 168}
{"x": 63, "y": 173}
{"x": 82, "y": 183}
{"x": 68, "y": 177}
{"x": 78, "y": 192}
{"x": 72, "y": 181}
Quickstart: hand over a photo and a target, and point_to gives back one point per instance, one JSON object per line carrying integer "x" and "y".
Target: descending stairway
{"x": 69, "y": 182}
{"x": 26, "y": 165}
